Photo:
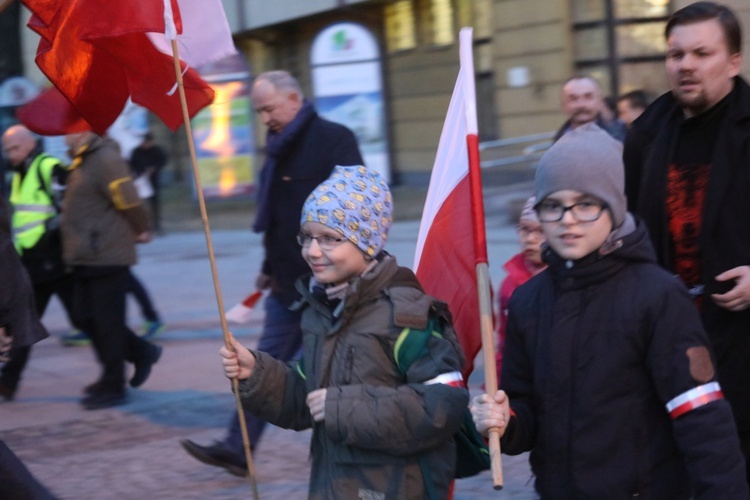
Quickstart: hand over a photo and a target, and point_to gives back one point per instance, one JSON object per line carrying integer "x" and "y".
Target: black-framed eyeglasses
{"x": 325, "y": 242}
{"x": 583, "y": 211}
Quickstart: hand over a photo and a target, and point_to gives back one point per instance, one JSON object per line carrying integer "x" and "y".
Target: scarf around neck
{"x": 277, "y": 143}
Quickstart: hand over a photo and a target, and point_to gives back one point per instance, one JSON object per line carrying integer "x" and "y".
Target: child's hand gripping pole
{"x": 490, "y": 371}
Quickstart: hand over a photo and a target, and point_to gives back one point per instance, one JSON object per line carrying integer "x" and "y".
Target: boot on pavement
{"x": 217, "y": 455}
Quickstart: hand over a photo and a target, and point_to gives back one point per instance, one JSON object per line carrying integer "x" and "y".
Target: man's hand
{"x": 143, "y": 237}
{"x": 491, "y": 413}
{"x": 316, "y": 401}
{"x": 238, "y": 362}
{"x": 738, "y": 298}
{"x": 263, "y": 282}
{"x": 6, "y": 341}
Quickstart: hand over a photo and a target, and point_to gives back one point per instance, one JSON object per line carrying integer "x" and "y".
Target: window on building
{"x": 434, "y": 23}
{"x": 436, "y": 18}
{"x": 622, "y": 41}
{"x": 400, "y": 33}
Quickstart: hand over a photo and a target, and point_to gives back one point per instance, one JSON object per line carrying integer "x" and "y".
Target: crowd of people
{"x": 623, "y": 321}
{"x": 80, "y": 247}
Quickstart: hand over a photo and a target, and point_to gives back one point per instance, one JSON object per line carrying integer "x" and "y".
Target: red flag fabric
{"x": 445, "y": 259}
{"x": 97, "y": 54}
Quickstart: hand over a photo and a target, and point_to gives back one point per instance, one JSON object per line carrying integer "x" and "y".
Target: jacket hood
{"x": 615, "y": 254}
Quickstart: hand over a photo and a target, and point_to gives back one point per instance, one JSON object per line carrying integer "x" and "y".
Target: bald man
{"x": 582, "y": 103}
{"x": 36, "y": 234}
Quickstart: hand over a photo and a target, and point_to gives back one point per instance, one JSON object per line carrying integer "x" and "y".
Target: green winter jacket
{"x": 381, "y": 427}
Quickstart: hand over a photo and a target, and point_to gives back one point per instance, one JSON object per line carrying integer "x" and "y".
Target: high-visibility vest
{"x": 32, "y": 203}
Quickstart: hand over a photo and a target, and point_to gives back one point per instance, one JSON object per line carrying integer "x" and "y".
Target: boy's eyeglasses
{"x": 325, "y": 242}
{"x": 583, "y": 211}
{"x": 529, "y": 231}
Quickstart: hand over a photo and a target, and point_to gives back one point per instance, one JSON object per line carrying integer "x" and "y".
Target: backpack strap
{"x": 412, "y": 343}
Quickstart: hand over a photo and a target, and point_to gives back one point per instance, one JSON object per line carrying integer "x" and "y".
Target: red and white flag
{"x": 99, "y": 53}
{"x": 451, "y": 240}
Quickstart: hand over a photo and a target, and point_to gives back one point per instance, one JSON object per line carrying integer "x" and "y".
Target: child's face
{"x": 571, "y": 238}
{"x": 339, "y": 264}
{"x": 531, "y": 237}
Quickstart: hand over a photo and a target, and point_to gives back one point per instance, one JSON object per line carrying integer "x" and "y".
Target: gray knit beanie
{"x": 589, "y": 160}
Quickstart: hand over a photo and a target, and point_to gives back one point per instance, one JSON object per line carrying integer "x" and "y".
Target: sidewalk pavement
{"x": 133, "y": 451}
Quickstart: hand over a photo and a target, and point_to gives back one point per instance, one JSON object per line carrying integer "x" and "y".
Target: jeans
{"x": 282, "y": 339}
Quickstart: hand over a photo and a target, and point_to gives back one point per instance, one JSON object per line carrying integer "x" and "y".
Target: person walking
{"x": 103, "y": 219}
{"x": 36, "y": 234}
{"x": 301, "y": 151}
{"x": 379, "y": 430}
{"x": 582, "y": 103}
{"x": 147, "y": 161}
{"x": 520, "y": 268}
{"x": 686, "y": 170}
{"x": 19, "y": 327}
{"x": 631, "y": 105}
{"x": 608, "y": 378}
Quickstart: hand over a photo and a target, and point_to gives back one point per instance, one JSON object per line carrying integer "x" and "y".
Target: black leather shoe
{"x": 216, "y": 455}
{"x": 95, "y": 387}
{"x": 7, "y": 392}
{"x": 143, "y": 366}
{"x": 106, "y": 399}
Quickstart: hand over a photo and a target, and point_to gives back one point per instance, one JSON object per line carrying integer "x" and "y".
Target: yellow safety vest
{"x": 32, "y": 204}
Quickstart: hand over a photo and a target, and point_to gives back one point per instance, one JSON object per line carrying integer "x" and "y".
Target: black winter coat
{"x": 725, "y": 232}
{"x": 592, "y": 355}
{"x": 306, "y": 162}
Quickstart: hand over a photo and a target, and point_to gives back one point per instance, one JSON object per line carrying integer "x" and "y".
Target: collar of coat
{"x": 652, "y": 119}
{"x": 362, "y": 289}
{"x": 599, "y": 266}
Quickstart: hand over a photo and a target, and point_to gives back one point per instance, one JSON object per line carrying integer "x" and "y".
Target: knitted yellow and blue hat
{"x": 356, "y": 202}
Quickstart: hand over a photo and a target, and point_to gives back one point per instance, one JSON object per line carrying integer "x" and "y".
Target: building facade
{"x": 524, "y": 50}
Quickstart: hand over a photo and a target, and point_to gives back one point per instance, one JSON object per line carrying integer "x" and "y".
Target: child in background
{"x": 520, "y": 268}
{"x": 377, "y": 432}
{"x": 607, "y": 372}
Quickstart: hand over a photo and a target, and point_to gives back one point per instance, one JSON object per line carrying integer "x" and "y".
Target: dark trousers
{"x": 15, "y": 479}
{"x": 99, "y": 309}
{"x": 154, "y": 203}
{"x": 281, "y": 338}
{"x": 10, "y": 374}
{"x": 141, "y": 296}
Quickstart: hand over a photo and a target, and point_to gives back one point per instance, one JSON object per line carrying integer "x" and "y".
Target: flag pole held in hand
{"x": 451, "y": 255}
{"x": 211, "y": 256}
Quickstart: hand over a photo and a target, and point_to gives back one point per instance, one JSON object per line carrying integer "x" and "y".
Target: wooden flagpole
{"x": 212, "y": 260}
{"x": 480, "y": 243}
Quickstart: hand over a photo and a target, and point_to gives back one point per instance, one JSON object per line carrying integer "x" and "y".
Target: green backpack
{"x": 472, "y": 454}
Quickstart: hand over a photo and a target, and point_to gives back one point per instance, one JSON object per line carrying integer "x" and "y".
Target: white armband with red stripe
{"x": 454, "y": 379}
{"x": 694, "y": 398}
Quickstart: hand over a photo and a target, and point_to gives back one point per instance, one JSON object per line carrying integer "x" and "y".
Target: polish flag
{"x": 451, "y": 236}
{"x": 98, "y": 54}
{"x": 451, "y": 256}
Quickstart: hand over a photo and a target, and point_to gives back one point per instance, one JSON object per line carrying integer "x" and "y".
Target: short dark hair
{"x": 636, "y": 99}
{"x": 705, "y": 11}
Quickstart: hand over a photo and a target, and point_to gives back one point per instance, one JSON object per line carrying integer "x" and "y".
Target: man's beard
{"x": 695, "y": 105}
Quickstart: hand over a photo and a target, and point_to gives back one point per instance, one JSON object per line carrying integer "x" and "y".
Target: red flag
{"x": 451, "y": 240}
{"x": 98, "y": 54}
